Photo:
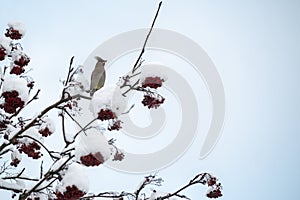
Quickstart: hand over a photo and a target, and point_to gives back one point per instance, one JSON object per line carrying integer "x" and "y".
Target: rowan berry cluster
{"x": 32, "y": 150}
{"x": 106, "y": 114}
{"x": 15, "y": 162}
{"x": 91, "y": 160}
{"x": 152, "y": 82}
{"x": 152, "y": 101}
{"x": 215, "y": 193}
{"x": 215, "y": 187}
{"x": 45, "y": 132}
{"x": 151, "y": 98}
{"x": 19, "y": 63}
{"x": 12, "y": 102}
{"x": 13, "y": 34}
{"x": 71, "y": 193}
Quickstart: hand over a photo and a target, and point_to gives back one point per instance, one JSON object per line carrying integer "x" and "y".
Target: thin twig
{"x": 63, "y": 127}
{"x": 110, "y": 195}
{"x": 69, "y": 71}
{"x": 78, "y": 124}
{"x": 194, "y": 181}
{"x": 49, "y": 152}
{"x": 41, "y": 169}
{"x": 18, "y": 176}
{"x": 34, "y": 97}
{"x": 82, "y": 130}
{"x": 148, "y": 35}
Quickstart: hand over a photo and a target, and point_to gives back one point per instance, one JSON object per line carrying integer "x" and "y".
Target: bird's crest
{"x": 99, "y": 59}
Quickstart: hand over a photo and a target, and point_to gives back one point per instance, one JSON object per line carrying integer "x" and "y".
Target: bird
{"x": 98, "y": 75}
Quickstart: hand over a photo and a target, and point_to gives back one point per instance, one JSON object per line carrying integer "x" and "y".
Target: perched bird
{"x": 98, "y": 75}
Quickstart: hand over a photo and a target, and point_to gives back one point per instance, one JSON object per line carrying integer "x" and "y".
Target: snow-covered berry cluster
{"x": 47, "y": 127}
{"x": 73, "y": 184}
{"x": 107, "y": 104}
{"x": 15, "y": 31}
{"x": 71, "y": 193}
{"x": 93, "y": 149}
{"x": 215, "y": 188}
{"x": 152, "y": 100}
{"x": 32, "y": 150}
{"x": 106, "y": 114}
{"x": 92, "y": 160}
{"x": 13, "y": 34}
{"x": 214, "y": 193}
{"x": 152, "y": 82}
{"x": 45, "y": 132}
{"x": 12, "y": 101}
{"x": 15, "y": 158}
{"x": 20, "y": 60}
{"x": 115, "y": 125}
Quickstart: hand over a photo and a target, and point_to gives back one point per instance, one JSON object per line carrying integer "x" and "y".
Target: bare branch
{"x": 148, "y": 35}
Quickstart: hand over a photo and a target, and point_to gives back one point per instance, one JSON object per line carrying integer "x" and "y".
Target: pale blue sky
{"x": 255, "y": 46}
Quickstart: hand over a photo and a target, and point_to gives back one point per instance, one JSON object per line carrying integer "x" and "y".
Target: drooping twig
{"x": 48, "y": 151}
